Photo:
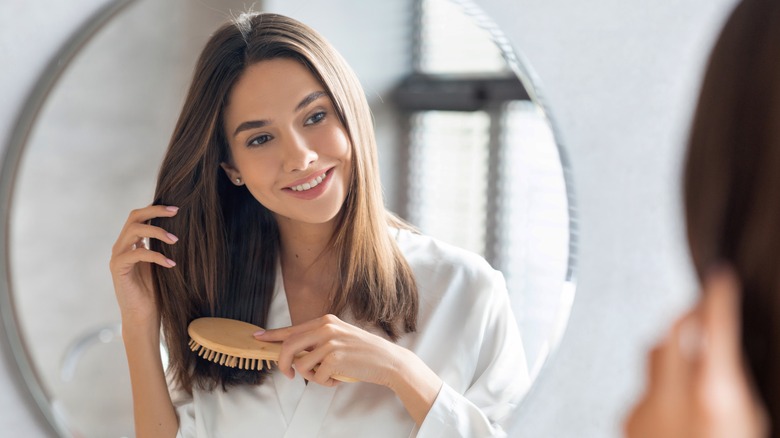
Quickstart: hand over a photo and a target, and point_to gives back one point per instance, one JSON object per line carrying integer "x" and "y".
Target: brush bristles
{"x": 228, "y": 360}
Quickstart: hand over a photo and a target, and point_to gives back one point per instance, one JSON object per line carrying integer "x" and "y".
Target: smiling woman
{"x": 291, "y": 135}
{"x": 346, "y": 287}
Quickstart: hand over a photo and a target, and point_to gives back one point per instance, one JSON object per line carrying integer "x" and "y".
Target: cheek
{"x": 345, "y": 148}
{"x": 256, "y": 170}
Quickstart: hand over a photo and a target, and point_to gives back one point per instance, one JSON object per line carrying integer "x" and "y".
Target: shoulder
{"x": 431, "y": 255}
{"x": 441, "y": 268}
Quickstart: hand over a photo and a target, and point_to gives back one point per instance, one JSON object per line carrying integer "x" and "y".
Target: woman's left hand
{"x": 336, "y": 348}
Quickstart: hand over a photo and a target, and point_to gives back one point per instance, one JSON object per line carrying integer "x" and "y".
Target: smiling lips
{"x": 314, "y": 182}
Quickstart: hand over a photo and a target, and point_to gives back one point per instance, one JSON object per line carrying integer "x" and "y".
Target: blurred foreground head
{"x": 732, "y": 181}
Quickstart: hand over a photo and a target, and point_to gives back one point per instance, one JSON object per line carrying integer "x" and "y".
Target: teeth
{"x": 309, "y": 185}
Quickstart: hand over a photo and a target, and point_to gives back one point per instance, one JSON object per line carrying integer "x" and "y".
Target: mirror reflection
{"x": 466, "y": 154}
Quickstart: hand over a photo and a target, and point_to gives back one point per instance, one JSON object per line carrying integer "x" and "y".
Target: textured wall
{"x": 620, "y": 78}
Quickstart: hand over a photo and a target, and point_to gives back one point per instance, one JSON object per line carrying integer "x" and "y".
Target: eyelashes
{"x": 261, "y": 139}
{"x": 315, "y": 118}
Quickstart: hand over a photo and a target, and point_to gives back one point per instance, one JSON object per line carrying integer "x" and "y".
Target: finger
{"x": 679, "y": 355}
{"x": 637, "y": 424}
{"x": 124, "y": 263}
{"x": 720, "y": 317}
{"x": 654, "y": 367}
{"x": 307, "y": 363}
{"x": 331, "y": 365}
{"x": 324, "y": 364}
{"x": 151, "y": 212}
{"x": 143, "y": 215}
{"x": 689, "y": 336}
{"x": 284, "y": 333}
{"x": 305, "y": 367}
{"x": 314, "y": 367}
{"x": 722, "y": 377}
{"x": 670, "y": 366}
{"x": 293, "y": 348}
{"x": 135, "y": 233}
{"x": 662, "y": 402}
{"x": 275, "y": 335}
{"x": 322, "y": 375}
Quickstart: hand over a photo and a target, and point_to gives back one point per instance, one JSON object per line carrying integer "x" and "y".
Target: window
{"x": 483, "y": 170}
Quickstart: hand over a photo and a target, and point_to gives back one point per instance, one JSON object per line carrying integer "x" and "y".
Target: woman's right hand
{"x": 699, "y": 385}
{"x": 130, "y": 269}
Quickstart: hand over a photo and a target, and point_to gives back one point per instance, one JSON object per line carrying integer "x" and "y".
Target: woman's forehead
{"x": 272, "y": 86}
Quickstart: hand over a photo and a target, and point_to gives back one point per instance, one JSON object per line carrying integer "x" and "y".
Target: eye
{"x": 259, "y": 140}
{"x": 315, "y": 118}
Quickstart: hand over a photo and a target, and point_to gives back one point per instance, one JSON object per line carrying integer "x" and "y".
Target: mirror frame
{"x": 11, "y": 155}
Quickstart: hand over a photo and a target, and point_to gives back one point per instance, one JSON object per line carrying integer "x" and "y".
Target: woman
{"x": 268, "y": 209}
{"x": 718, "y": 372}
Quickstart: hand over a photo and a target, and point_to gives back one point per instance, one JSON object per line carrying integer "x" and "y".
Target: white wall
{"x": 620, "y": 78}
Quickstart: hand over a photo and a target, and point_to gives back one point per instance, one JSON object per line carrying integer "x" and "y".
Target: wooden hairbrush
{"x": 231, "y": 343}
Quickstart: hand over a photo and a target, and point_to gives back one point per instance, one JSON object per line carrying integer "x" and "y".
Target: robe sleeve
{"x": 500, "y": 377}
{"x": 185, "y": 410}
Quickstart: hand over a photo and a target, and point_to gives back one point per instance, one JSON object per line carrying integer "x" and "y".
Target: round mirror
{"x": 468, "y": 153}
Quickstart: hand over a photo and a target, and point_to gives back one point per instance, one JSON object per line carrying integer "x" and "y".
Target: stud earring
{"x": 238, "y": 180}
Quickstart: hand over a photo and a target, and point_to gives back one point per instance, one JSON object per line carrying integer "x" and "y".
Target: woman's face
{"x": 287, "y": 143}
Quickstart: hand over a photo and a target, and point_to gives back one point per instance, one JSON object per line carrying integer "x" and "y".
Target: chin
{"x": 310, "y": 218}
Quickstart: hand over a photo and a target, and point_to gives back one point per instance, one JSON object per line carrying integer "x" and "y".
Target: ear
{"x": 232, "y": 173}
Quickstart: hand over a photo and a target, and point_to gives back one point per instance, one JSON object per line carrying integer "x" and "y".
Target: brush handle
{"x": 230, "y": 338}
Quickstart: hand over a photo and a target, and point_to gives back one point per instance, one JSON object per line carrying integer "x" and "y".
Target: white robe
{"x": 466, "y": 334}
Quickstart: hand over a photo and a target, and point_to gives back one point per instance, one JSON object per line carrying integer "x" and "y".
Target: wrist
{"x": 397, "y": 373}
{"x": 141, "y": 328}
{"x": 414, "y": 383}
{"x": 409, "y": 371}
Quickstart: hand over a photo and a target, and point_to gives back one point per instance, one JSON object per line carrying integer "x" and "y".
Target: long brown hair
{"x": 732, "y": 181}
{"x": 229, "y": 243}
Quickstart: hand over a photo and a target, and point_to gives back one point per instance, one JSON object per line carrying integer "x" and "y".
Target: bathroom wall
{"x": 620, "y": 78}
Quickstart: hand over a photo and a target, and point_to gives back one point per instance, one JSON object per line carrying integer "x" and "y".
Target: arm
{"x": 153, "y": 411}
{"x": 415, "y": 384}
{"x": 482, "y": 405}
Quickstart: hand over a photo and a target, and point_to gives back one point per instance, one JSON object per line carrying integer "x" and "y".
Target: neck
{"x": 305, "y": 247}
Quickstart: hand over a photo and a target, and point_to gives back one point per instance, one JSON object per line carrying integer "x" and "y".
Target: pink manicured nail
{"x": 170, "y": 262}
{"x": 172, "y": 237}
{"x": 172, "y": 208}
{"x": 259, "y": 332}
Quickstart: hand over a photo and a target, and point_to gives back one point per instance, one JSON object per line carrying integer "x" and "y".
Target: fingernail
{"x": 172, "y": 237}
{"x": 172, "y": 208}
{"x": 259, "y": 332}
{"x": 170, "y": 262}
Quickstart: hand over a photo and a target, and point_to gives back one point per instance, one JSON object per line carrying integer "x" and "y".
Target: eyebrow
{"x": 252, "y": 124}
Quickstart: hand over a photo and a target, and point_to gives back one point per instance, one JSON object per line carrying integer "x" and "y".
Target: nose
{"x": 298, "y": 154}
